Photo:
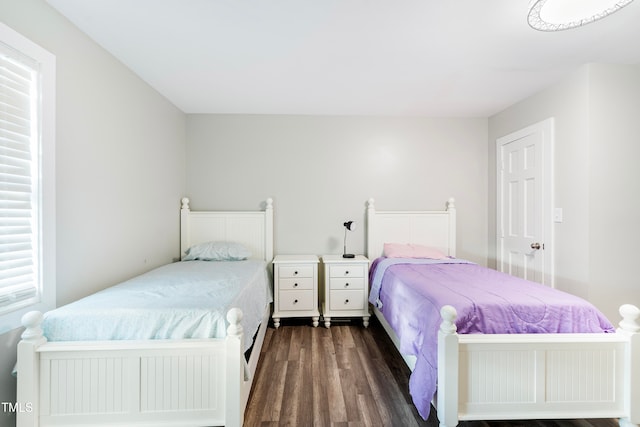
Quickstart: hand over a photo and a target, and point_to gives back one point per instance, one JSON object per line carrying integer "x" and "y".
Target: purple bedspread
{"x": 411, "y": 294}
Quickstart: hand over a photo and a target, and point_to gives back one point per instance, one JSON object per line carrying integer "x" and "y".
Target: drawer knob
{"x": 295, "y": 301}
{"x": 346, "y": 272}
{"x": 346, "y": 301}
{"x": 346, "y": 285}
{"x": 295, "y": 272}
{"x": 295, "y": 285}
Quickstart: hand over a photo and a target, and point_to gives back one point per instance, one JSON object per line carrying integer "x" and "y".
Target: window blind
{"x": 19, "y": 180}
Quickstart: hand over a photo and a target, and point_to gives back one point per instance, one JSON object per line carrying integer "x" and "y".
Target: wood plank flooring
{"x": 345, "y": 376}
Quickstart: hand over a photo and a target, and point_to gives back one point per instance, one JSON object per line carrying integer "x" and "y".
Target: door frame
{"x": 547, "y": 128}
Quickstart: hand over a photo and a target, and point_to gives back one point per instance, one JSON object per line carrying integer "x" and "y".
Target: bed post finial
{"x": 32, "y": 332}
{"x": 451, "y": 203}
{"x": 234, "y": 317}
{"x": 268, "y": 204}
{"x": 371, "y": 203}
{"x": 630, "y": 318}
{"x": 185, "y": 203}
{"x": 449, "y": 315}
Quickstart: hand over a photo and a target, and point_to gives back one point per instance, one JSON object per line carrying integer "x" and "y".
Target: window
{"x": 27, "y": 178}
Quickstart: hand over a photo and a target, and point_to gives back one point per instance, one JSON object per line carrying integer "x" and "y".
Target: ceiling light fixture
{"x": 558, "y": 15}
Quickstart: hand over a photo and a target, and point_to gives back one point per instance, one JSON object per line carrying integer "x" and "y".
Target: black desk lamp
{"x": 349, "y": 225}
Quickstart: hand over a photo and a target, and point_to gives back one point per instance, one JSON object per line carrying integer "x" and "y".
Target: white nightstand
{"x": 346, "y": 288}
{"x": 295, "y": 287}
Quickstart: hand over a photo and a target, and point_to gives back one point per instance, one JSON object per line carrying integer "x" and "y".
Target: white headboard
{"x": 430, "y": 228}
{"x": 254, "y": 229}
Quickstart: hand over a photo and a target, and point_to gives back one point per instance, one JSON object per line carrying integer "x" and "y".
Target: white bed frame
{"x": 192, "y": 382}
{"x": 523, "y": 376}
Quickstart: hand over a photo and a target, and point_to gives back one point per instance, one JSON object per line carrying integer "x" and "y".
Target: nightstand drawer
{"x": 295, "y": 271}
{"x": 296, "y": 300}
{"x": 291, "y": 283}
{"x": 349, "y": 270}
{"x": 346, "y": 300}
{"x": 347, "y": 283}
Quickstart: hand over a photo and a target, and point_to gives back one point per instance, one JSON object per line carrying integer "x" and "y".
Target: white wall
{"x": 596, "y": 114}
{"x": 614, "y": 207}
{"x": 120, "y": 159}
{"x": 321, "y": 170}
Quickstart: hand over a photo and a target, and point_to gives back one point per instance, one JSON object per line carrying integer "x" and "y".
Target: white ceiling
{"x": 445, "y": 58}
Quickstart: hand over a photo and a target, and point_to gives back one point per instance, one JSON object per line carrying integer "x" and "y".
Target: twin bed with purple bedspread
{"x": 410, "y": 293}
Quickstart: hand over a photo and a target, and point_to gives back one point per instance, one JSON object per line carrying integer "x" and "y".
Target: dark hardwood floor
{"x": 344, "y": 376}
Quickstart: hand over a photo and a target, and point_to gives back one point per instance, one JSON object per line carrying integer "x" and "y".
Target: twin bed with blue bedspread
{"x": 165, "y": 348}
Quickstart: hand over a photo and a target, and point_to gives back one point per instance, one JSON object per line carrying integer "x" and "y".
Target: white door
{"x": 524, "y": 203}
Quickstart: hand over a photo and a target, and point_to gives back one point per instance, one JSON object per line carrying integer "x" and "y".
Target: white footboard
{"x": 539, "y": 376}
{"x": 161, "y": 383}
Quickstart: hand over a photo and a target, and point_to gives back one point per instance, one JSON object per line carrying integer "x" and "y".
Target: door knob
{"x": 535, "y": 246}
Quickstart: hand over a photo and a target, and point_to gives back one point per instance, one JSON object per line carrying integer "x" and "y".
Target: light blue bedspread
{"x": 186, "y": 299}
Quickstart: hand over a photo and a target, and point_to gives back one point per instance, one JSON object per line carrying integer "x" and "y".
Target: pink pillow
{"x": 410, "y": 250}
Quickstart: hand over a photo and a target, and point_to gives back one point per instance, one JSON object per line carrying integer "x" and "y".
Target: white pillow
{"x": 217, "y": 251}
